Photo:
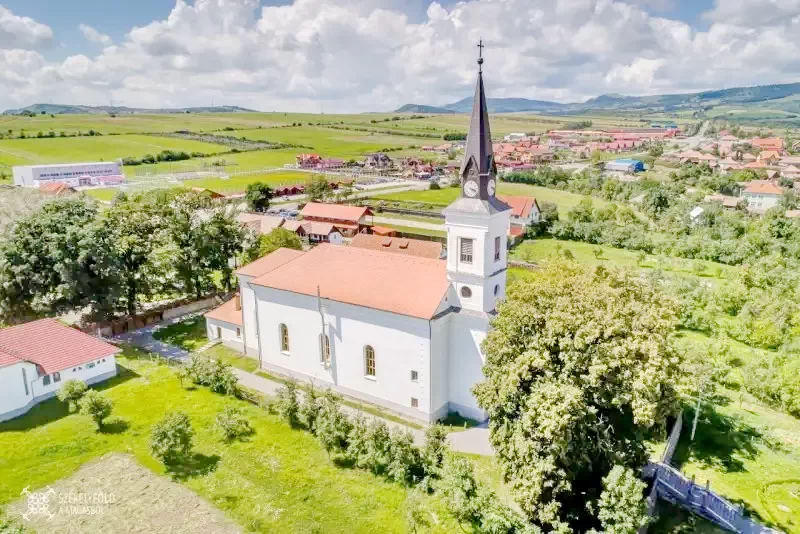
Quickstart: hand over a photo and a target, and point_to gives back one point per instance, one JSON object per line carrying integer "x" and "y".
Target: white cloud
{"x": 94, "y": 36}
{"x": 22, "y": 32}
{"x": 360, "y": 55}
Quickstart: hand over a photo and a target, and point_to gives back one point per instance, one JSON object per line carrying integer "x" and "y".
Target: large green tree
{"x": 579, "y": 370}
{"x": 258, "y": 195}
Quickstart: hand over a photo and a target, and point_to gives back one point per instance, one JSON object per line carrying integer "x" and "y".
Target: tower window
{"x": 496, "y": 290}
{"x": 466, "y": 250}
{"x": 466, "y": 292}
{"x": 496, "y": 249}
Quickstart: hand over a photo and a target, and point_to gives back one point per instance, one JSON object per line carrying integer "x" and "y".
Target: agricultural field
{"x": 278, "y": 480}
{"x": 440, "y": 198}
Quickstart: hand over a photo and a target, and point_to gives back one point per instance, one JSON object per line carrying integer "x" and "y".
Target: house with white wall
{"x": 38, "y": 357}
{"x": 762, "y": 195}
{"x": 402, "y": 331}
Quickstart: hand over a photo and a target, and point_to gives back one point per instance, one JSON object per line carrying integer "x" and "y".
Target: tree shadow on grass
{"x": 195, "y": 465}
{"x": 114, "y": 426}
{"x": 718, "y": 439}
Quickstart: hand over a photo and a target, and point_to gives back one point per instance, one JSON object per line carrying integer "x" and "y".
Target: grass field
{"x": 279, "y": 480}
{"x": 443, "y": 197}
{"x": 189, "y": 334}
{"x": 106, "y": 148}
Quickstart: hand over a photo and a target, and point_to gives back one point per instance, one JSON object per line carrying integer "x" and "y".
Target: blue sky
{"x": 372, "y": 55}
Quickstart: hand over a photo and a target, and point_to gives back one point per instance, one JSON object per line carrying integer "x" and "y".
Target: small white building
{"x": 399, "y": 330}
{"x": 762, "y": 195}
{"x": 515, "y": 137}
{"x": 37, "y": 358}
{"x": 72, "y": 174}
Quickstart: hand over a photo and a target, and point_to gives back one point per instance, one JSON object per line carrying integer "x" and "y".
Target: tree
{"x": 310, "y": 408}
{"x": 579, "y": 373}
{"x": 319, "y": 189}
{"x": 703, "y": 372}
{"x": 258, "y": 195}
{"x": 657, "y": 201}
{"x": 622, "y": 508}
{"x": 435, "y": 449}
{"x": 278, "y": 238}
{"x": 96, "y": 406}
{"x": 459, "y": 489}
{"x": 656, "y": 149}
{"x": 71, "y": 392}
{"x": 172, "y": 437}
{"x": 405, "y": 464}
{"x": 416, "y": 514}
{"x": 333, "y": 426}
{"x": 287, "y": 405}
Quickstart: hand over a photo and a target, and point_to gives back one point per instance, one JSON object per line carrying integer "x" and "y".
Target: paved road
{"x": 471, "y": 441}
{"x": 406, "y": 222}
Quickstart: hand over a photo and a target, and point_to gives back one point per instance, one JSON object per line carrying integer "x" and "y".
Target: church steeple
{"x": 478, "y": 167}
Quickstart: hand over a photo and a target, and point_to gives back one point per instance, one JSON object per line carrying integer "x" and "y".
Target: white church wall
{"x": 228, "y": 333}
{"x": 465, "y": 363}
{"x": 440, "y": 353}
{"x": 401, "y": 344}
{"x": 249, "y": 315}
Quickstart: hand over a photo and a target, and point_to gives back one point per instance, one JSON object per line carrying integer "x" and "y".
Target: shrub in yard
{"x": 172, "y": 437}
{"x": 233, "y": 424}
{"x": 332, "y": 425}
{"x": 357, "y": 440}
{"x": 309, "y": 409}
{"x": 214, "y": 374}
{"x": 622, "y": 508}
{"x": 405, "y": 463}
{"x": 459, "y": 489}
{"x": 71, "y": 392}
{"x": 286, "y": 403}
{"x": 378, "y": 453}
{"x": 96, "y": 406}
{"x": 434, "y": 450}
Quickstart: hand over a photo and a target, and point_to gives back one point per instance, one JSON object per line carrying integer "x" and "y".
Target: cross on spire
{"x": 480, "y": 54}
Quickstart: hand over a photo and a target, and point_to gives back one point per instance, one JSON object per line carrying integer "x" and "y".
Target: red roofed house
{"x": 762, "y": 195}
{"x": 348, "y": 220}
{"x": 385, "y": 322}
{"x": 38, "y": 357}
{"x": 524, "y": 212}
{"x": 768, "y": 143}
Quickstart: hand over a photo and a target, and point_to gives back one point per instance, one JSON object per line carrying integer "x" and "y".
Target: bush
{"x": 71, "y": 392}
{"x": 96, "y": 406}
{"x": 332, "y": 426}
{"x": 310, "y": 408}
{"x": 232, "y": 423}
{"x": 171, "y": 439}
{"x": 286, "y": 403}
{"x": 405, "y": 464}
{"x": 435, "y": 449}
{"x": 621, "y": 508}
{"x": 434, "y": 186}
{"x": 214, "y": 374}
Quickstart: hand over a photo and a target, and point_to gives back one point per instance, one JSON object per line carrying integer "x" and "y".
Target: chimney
{"x": 237, "y": 299}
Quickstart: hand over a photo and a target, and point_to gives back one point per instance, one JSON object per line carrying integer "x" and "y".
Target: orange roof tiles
{"x": 55, "y": 188}
{"x": 406, "y": 285}
{"x": 399, "y": 245}
{"x": 260, "y": 223}
{"x": 50, "y": 345}
{"x": 383, "y": 230}
{"x": 338, "y": 212}
{"x": 269, "y": 262}
{"x": 763, "y": 187}
{"x": 520, "y": 206}
{"x": 229, "y": 312}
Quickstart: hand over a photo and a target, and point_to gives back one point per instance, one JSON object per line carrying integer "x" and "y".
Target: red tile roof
{"x": 50, "y": 345}
{"x": 520, "y": 206}
{"x": 337, "y": 212}
{"x": 763, "y": 187}
{"x": 383, "y": 230}
{"x": 366, "y": 278}
{"x": 55, "y": 188}
{"x": 269, "y": 262}
{"x": 399, "y": 245}
{"x": 229, "y": 312}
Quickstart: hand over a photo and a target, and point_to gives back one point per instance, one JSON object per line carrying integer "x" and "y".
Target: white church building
{"x": 396, "y": 330}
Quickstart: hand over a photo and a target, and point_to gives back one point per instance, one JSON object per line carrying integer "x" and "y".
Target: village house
{"x": 38, "y": 357}
{"x": 263, "y": 224}
{"x": 315, "y": 231}
{"x": 768, "y": 143}
{"x": 525, "y": 213}
{"x": 762, "y": 195}
{"x": 397, "y": 330}
{"x": 379, "y": 160}
{"x": 348, "y": 220}
{"x": 770, "y": 157}
{"x": 728, "y": 202}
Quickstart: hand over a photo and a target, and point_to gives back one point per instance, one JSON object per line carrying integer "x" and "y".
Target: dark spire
{"x": 479, "y": 139}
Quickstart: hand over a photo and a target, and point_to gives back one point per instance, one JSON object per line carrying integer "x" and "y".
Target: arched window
{"x": 283, "y": 334}
{"x": 466, "y": 292}
{"x": 369, "y": 361}
{"x": 325, "y": 350}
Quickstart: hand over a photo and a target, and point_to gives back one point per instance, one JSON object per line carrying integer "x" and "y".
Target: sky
{"x": 376, "y": 55}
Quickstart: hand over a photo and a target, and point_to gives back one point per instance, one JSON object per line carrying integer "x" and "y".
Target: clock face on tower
{"x": 471, "y": 188}
{"x": 490, "y": 187}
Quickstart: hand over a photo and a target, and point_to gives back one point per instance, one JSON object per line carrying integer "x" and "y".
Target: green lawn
{"x": 401, "y": 217}
{"x": 443, "y": 197}
{"x": 233, "y": 358}
{"x": 189, "y": 334}
{"x": 280, "y": 480}
{"x": 415, "y": 231}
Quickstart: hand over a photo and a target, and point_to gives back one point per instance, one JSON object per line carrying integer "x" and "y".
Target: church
{"x": 397, "y": 330}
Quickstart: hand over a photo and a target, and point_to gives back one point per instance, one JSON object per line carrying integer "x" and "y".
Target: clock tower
{"x": 477, "y": 222}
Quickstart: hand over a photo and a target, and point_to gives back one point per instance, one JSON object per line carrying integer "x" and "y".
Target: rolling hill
{"x": 64, "y": 109}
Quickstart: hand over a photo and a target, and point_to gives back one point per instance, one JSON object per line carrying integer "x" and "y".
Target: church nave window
{"x": 283, "y": 333}
{"x": 369, "y": 361}
{"x": 466, "y": 250}
{"x": 324, "y": 350}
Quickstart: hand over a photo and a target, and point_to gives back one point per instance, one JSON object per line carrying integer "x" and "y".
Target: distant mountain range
{"x": 673, "y": 102}
{"x": 61, "y": 109}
